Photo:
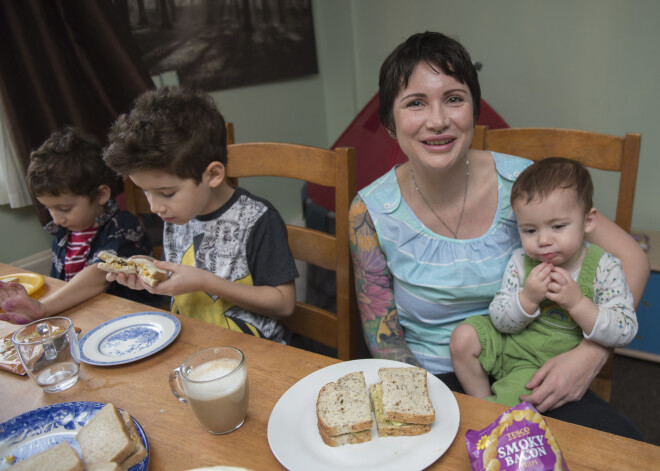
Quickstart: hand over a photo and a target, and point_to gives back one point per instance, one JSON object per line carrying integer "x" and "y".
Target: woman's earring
{"x": 392, "y": 134}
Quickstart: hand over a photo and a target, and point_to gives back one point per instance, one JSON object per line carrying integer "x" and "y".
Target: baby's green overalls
{"x": 512, "y": 359}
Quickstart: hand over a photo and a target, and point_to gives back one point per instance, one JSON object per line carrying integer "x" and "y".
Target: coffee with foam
{"x": 218, "y": 393}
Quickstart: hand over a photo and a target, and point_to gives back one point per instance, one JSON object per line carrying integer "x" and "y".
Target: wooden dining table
{"x": 178, "y": 442}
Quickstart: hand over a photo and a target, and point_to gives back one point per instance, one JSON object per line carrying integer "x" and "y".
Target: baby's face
{"x": 552, "y": 229}
{"x": 75, "y": 212}
{"x": 174, "y": 199}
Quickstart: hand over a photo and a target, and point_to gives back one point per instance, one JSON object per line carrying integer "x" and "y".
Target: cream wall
{"x": 588, "y": 64}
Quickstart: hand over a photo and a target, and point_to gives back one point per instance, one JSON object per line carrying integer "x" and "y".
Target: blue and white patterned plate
{"x": 129, "y": 338}
{"x": 43, "y": 428}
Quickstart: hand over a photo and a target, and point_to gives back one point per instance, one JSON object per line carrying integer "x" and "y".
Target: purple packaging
{"x": 518, "y": 439}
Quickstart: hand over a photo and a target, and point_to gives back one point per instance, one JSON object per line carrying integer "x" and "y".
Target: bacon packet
{"x": 519, "y": 439}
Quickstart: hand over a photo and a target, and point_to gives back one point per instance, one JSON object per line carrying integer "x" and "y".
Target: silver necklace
{"x": 460, "y": 218}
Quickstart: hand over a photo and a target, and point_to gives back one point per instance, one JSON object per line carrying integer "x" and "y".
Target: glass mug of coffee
{"x": 49, "y": 351}
{"x": 214, "y": 383}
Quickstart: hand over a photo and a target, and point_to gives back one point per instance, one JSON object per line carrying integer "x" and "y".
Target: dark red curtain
{"x": 66, "y": 62}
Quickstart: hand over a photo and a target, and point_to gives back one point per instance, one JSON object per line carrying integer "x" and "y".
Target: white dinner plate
{"x": 39, "y": 429}
{"x": 129, "y": 338}
{"x": 295, "y": 441}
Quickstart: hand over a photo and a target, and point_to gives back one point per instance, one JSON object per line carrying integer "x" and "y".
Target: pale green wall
{"x": 587, "y": 64}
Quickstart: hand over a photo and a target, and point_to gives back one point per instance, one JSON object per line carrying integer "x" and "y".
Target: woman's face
{"x": 433, "y": 117}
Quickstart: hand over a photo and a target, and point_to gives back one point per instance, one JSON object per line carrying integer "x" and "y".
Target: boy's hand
{"x": 183, "y": 279}
{"x": 18, "y": 306}
{"x": 536, "y": 286}
{"x": 131, "y": 281}
{"x": 563, "y": 289}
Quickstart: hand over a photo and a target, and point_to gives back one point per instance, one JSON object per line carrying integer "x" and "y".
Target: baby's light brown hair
{"x": 554, "y": 173}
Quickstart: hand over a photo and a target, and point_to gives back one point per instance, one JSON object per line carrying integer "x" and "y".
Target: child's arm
{"x": 506, "y": 310}
{"x": 20, "y": 308}
{"x": 616, "y": 322}
{"x": 275, "y": 302}
{"x": 612, "y": 239}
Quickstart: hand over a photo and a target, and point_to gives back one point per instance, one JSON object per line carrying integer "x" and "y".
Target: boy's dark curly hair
{"x": 70, "y": 161}
{"x": 174, "y": 129}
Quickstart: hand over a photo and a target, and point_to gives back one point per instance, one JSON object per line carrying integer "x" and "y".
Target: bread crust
{"x": 139, "y": 451}
{"x": 406, "y": 396}
{"x": 148, "y": 272}
{"x": 346, "y": 438}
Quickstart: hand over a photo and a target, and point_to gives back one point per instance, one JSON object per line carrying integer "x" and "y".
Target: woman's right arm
{"x": 373, "y": 283}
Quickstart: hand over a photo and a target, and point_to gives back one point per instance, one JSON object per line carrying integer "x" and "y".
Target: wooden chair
{"x": 595, "y": 150}
{"x": 332, "y": 168}
{"x": 137, "y": 203}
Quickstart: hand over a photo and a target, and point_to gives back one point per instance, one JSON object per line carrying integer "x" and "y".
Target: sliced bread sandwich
{"x": 401, "y": 402}
{"x": 58, "y": 458}
{"x": 139, "y": 451}
{"x": 140, "y": 266}
{"x": 104, "y": 438}
{"x": 391, "y": 428}
{"x": 343, "y": 411}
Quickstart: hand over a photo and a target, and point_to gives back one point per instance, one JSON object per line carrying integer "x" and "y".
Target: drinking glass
{"x": 214, "y": 383}
{"x": 49, "y": 351}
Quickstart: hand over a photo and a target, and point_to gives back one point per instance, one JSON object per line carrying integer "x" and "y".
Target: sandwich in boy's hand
{"x": 401, "y": 402}
{"x": 343, "y": 412}
{"x": 144, "y": 268}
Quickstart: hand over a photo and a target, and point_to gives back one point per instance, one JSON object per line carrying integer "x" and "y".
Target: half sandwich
{"x": 343, "y": 411}
{"x": 110, "y": 437}
{"x": 61, "y": 457}
{"x": 401, "y": 402}
{"x": 144, "y": 268}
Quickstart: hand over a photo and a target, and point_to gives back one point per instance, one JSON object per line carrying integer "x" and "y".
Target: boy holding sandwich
{"x": 226, "y": 249}
{"x": 68, "y": 176}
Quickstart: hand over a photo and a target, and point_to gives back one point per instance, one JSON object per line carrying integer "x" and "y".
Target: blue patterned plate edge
{"x": 89, "y": 336}
{"x": 39, "y": 429}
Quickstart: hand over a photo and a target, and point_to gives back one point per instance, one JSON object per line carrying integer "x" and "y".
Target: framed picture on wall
{"x": 220, "y": 44}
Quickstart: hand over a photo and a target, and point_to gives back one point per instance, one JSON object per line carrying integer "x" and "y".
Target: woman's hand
{"x": 566, "y": 377}
{"x": 17, "y": 306}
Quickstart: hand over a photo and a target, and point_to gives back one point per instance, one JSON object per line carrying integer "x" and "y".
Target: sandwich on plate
{"x": 343, "y": 411}
{"x": 61, "y": 457}
{"x": 144, "y": 268}
{"x": 401, "y": 402}
{"x": 110, "y": 437}
{"x": 108, "y": 442}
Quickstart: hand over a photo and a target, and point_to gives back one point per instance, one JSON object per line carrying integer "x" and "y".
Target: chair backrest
{"x": 595, "y": 150}
{"x": 137, "y": 203}
{"x": 332, "y": 168}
